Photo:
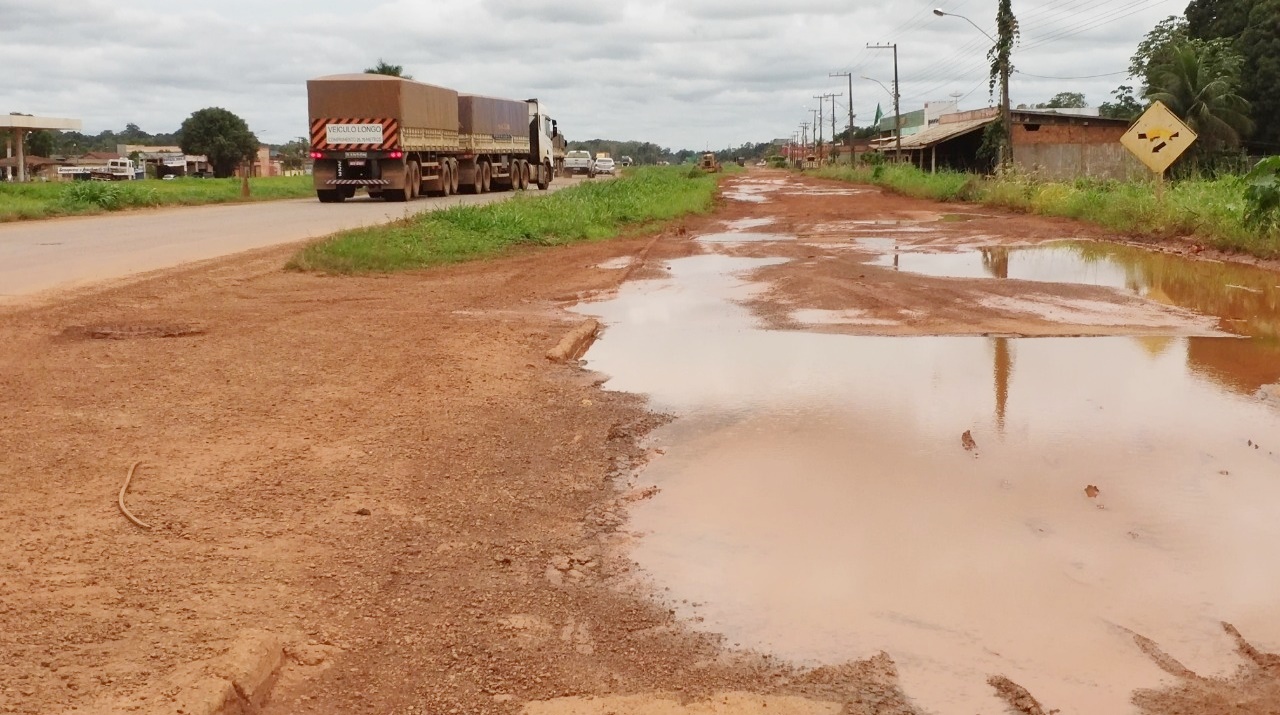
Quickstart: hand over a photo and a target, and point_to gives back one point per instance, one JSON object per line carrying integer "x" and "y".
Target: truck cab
{"x": 543, "y": 135}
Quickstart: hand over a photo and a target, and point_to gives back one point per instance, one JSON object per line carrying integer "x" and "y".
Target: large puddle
{"x": 817, "y": 503}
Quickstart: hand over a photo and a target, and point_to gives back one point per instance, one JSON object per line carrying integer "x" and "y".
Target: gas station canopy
{"x": 20, "y": 124}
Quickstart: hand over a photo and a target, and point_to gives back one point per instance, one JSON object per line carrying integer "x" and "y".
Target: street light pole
{"x": 897, "y": 110}
{"x": 1006, "y": 116}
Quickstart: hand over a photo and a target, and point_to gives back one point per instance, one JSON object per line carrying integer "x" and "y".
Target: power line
{"x": 1087, "y": 76}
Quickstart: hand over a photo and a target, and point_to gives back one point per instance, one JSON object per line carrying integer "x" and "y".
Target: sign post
{"x": 1157, "y": 139}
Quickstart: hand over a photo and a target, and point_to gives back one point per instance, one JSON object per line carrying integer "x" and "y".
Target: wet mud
{"x": 871, "y": 455}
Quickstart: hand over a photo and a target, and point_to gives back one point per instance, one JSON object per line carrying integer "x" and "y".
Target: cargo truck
{"x": 399, "y": 139}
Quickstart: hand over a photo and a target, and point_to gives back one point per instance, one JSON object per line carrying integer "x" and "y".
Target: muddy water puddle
{"x": 817, "y": 502}
{"x": 1246, "y": 300}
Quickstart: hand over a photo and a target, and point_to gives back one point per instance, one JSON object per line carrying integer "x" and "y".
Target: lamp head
{"x": 938, "y": 11}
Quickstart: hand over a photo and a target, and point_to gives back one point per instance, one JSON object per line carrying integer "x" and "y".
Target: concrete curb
{"x": 575, "y": 343}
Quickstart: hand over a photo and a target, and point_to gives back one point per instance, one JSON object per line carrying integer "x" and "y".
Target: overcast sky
{"x": 679, "y": 73}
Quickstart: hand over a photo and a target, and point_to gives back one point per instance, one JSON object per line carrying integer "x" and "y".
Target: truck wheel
{"x": 446, "y": 179}
{"x": 414, "y": 186}
{"x": 524, "y": 174}
{"x": 329, "y": 196}
{"x": 487, "y": 170}
{"x": 347, "y": 191}
{"x": 544, "y": 176}
{"x": 477, "y": 181}
{"x": 453, "y": 175}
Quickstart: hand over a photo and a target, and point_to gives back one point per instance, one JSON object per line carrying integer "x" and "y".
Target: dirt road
{"x": 378, "y": 495}
{"x": 61, "y": 253}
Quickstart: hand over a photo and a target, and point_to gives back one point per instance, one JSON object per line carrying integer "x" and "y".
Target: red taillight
{"x": 396, "y": 155}
{"x": 317, "y": 155}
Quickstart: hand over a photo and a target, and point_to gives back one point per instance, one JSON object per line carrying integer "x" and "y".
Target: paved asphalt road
{"x": 37, "y": 256}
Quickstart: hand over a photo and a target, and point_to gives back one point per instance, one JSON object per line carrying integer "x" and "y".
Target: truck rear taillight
{"x": 396, "y": 155}
{"x": 317, "y": 155}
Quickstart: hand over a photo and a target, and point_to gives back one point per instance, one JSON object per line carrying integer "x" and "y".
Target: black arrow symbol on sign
{"x": 1158, "y": 147}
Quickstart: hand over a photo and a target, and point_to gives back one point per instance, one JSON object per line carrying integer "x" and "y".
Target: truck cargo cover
{"x": 372, "y": 96}
{"x": 492, "y": 116}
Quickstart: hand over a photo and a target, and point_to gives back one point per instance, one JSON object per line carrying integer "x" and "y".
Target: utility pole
{"x": 897, "y": 95}
{"x": 804, "y": 141}
{"x": 816, "y": 123}
{"x": 849, "y": 138}
{"x": 833, "y": 124}
{"x": 821, "y": 98}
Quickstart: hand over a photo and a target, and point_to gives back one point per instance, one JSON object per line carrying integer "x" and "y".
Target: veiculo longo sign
{"x": 353, "y": 133}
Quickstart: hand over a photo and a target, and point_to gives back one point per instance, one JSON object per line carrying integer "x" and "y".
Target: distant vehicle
{"x": 579, "y": 161}
{"x": 605, "y": 166}
{"x": 168, "y": 177}
{"x": 708, "y": 163}
{"x": 602, "y": 155}
{"x": 626, "y": 161}
{"x": 412, "y": 138}
{"x": 115, "y": 170}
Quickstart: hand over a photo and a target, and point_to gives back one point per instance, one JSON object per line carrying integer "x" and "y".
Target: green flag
{"x": 879, "y": 114}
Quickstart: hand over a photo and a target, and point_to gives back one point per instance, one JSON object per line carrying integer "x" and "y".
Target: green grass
{"x": 20, "y": 202}
{"x": 642, "y": 196}
{"x": 1211, "y": 210}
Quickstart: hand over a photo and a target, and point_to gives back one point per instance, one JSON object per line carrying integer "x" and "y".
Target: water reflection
{"x": 1246, "y": 300}
{"x": 816, "y": 499}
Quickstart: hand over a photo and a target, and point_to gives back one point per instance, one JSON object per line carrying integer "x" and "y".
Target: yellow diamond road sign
{"x": 1158, "y": 138}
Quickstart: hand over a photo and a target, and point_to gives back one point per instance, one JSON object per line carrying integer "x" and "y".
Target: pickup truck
{"x": 579, "y": 162}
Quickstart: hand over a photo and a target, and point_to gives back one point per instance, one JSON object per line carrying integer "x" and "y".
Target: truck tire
{"x": 453, "y": 175}
{"x": 476, "y": 185}
{"x": 486, "y": 170}
{"x": 524, "y": 175}
{"x": 446, "y": 179}
{"x": 544, "y": 176}
{"x": 329, "y": 196}
{"x": 347, "y": 191}
{"x": 413, "y": 187}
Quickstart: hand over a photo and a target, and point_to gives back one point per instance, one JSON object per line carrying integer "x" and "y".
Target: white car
{"x": 605, "y": 166}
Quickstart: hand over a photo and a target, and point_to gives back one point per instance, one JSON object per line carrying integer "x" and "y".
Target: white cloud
{"x": 681, "y": 73}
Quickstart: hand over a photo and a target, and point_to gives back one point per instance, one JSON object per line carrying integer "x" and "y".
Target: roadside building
{"x": 1048, "y": 143}
{"x": 38, "y": 168}
{"x": 266, "y": 162}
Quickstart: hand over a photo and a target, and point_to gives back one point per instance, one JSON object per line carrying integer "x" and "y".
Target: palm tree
{"x": 390, "y": 70}
{"x": 1202, "y": 92}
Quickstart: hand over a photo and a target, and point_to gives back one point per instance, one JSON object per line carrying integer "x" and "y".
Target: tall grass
{"x": 19, "y": 202}
{"x": 590, "y": 211}
{"x": 1212, "y": 210}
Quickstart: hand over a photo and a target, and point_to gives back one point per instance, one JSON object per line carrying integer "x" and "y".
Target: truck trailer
{"x": 399, "y": 139}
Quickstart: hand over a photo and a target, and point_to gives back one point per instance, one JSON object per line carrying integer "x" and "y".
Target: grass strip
{"x": 1211, "y": 210}
{"x": 40, "y": 200}
{"x": 592, "y": 210}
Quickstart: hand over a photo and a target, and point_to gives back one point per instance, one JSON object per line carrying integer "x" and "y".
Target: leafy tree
{"x": 293, "y": 154}
{"x": 1065, "y": 100}
{"x": 220, "y": 135}
{"x": 1200, "y": 89}
{"x": 1155, "y": 49}
{"x": 1125, "y": 106}
{"x": 388, "y": 69}
{"x": 1007, "y": 34}
{"x": 1253, "y": 30}
{"x": 39, "y": 143}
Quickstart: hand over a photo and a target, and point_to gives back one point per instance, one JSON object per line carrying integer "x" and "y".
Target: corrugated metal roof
{"x": 937, "y": 134}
